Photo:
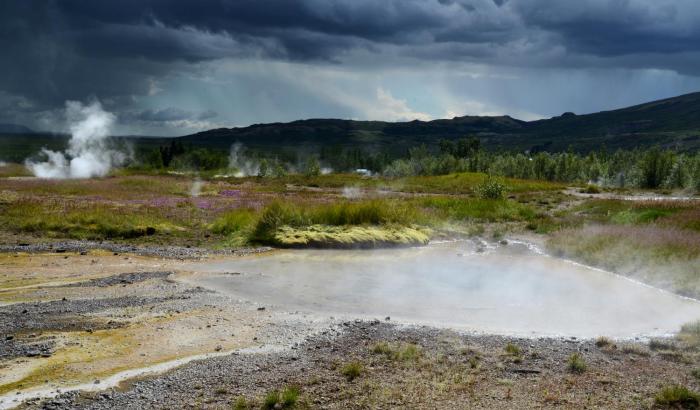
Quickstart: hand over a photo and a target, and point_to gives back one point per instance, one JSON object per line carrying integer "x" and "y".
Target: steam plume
{"x": 88, "y": 154}
{"x": 244, "y": 166}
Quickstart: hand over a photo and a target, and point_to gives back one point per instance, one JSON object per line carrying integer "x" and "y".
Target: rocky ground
{"x": 406, "y": 367}
{"x": 81, "y": 315}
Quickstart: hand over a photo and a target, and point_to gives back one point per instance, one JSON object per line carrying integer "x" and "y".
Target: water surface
{"x": 507, "y": 290}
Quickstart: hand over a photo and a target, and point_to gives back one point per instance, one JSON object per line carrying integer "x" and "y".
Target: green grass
{"x": 576, "y": 363}
{"x": 234, "y": 222}
{"x": 14, "y": 170}
{"x": 466, "y": 183}
{"x": 410, "y": 353}
{"x": 407, "y": 352}
{"x": 657, "y": 254}
{"x": 366, "y": 223}
{"x": 84, "y": 221}
{"x": 242, "y": 403}
{"x": 489, "y": 210}
{"x": 324, "y": 236}
{"x": 352, "y": 370}
{"x": 679, "y": 397}
{"x": 513, "y": 350}
{"x": 382, "y": 348}
{"x": 285, "y": 399}
{"x": 631, "y": 212}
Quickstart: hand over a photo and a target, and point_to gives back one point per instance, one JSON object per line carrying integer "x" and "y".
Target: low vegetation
{"x": 352, "y": 370}
{"x": 677, "y": 396}
{"x": 576, "y": 363}
{"x": 407, "y": 352}
{"x": 287, "y": 398}
{"x": 657, "y": 242}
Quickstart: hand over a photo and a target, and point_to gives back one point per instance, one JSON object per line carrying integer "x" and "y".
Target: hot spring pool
{"x": 507, "y": 290}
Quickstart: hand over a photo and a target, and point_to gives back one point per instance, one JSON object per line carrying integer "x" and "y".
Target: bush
{"x": 677, "y": 396}
{"x": 491, "y": 188}
{"x": 576, "y": 364}
{"x": 352, "y": 370}
{"x": 591, "y": 189}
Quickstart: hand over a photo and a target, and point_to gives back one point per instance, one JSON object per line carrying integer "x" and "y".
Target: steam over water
{"x": 511, "y": 290}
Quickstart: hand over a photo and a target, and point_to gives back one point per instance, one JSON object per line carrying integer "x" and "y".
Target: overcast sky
{"x": 174, "y": 67}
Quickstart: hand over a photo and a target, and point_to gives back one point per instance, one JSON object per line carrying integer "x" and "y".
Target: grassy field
{"x": 325, "y": 211}
{"x": 657, "y": 241}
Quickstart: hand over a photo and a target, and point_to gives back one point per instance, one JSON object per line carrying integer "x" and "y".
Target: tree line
{"x": 638, "y": 168}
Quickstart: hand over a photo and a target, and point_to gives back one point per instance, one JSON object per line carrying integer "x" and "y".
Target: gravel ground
{"x": 449, "y": 370}
{"x": 22, "y": 325}
{"x": 128, "y": 278}
{"x": 176, "y": 252}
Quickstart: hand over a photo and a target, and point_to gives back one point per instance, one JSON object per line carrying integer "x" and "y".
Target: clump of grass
{"x": 513, "y": 350}
{"x": 233, "y": 221}
{"x": 322, "y": 236}
{"x": 382, "y": 348}
{"x": 604, "y": 342}
{"x": 677, "y": 396}
{"x": 352, "y": 370}
{"x": 661, "y": 344}
{"x": 305, "y": 224}
{"x": 242, "y": 403}
{"x": 695, "y": 373}
{"x": 634, "y": 349}
{"x": 285, "y": 399}
{"x": 410, "y": 353}
{"x": 690, "y": 335}
{"x": 406, "y": 353}
{"x": 576, "y": 363}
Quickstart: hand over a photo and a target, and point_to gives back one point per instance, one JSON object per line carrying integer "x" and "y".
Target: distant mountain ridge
{"x": 15, "y": 129}
{"x": 672, "y": 122}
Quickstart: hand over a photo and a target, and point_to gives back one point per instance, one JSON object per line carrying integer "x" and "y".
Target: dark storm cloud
{"x": 116, "y": 50}
{"x": 173, "y": 114}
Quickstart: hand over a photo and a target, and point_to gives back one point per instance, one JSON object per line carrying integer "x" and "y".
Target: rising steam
{"x": 89, "y": 153}
{"x": 243, "y": 165}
